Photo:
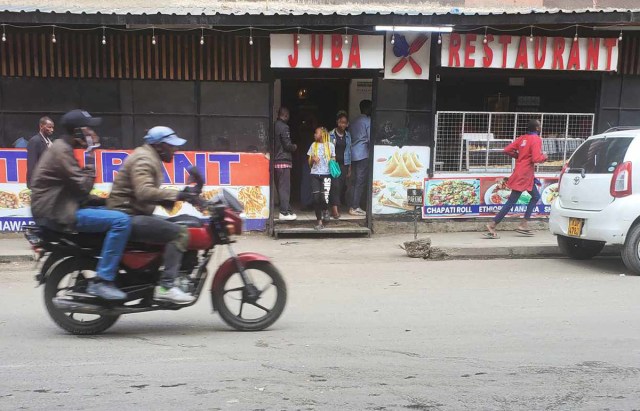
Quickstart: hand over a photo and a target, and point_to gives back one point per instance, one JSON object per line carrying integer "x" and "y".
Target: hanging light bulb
{"x": 4, "y": 34}
{"x": 251, "y": 36}
{"x": 53, "y": 35}
{"x": 298, "y": 36}
{"x": 575, "y": 38}
{"x": 104, "y": 37}
{"x": 346, "y": 36}
{"x": 620, "y": 36}
{"x": 393, "y": 38}
{"x": 531, "y": 35}
{"x": 439, "y": 38}
{"x": 153, "y": 36}
{"x": 484, "y": 40}
{"x": 202, "y": 37}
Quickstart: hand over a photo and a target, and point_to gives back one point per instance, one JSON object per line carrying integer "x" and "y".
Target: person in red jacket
{"x": 527, "y": 150}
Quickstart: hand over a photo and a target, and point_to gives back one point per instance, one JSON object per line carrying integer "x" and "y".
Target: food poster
{"x": 394, "y": 171}
{"x": 482, "y": 196}
{"x": 246, "y": 175}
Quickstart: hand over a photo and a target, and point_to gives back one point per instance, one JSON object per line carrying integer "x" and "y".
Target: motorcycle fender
{"x": 229, "y": 267}
{"x": 51, "y": 261}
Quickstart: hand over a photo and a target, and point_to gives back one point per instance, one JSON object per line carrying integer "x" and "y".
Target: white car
{"x": 599, "y": 198}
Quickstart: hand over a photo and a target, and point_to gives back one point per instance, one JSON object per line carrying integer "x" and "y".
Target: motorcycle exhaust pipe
{"x": 77, "y": 307}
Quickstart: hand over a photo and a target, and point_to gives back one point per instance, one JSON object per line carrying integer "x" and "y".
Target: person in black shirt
{"x": 341, "y": 139}
{"x": 37, "y": 146}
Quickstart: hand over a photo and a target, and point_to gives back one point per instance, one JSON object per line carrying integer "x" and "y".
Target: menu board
{"x": 481, "y": 196}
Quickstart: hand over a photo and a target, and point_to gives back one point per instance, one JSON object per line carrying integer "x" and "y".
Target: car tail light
{"x": 564, "y": 169}
{"x": 621, "y": 181}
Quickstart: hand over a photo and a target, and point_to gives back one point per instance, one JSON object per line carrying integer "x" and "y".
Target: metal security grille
{"x": 474, "y": 141}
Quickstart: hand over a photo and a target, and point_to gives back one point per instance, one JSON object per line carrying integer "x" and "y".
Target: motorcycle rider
{"x": 136, "y": 191}
{"x": 60, "y": 197}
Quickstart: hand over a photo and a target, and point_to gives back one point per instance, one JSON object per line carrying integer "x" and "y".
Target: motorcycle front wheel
{"x": 71, "y": 275}
{"x": 236, "y": 308}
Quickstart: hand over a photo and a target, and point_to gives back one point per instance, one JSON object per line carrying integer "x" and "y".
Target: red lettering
{"x": 469, "y": 49}
{"x": 488, "y": 53}
{"x": 540, "y": 54}
{"x": 454, "y": 50}
{"x": 522, "y": 59}
{"x": 293, "y": 59}
{"x": 574, "y": 56}
{"x": 558, "y": 51}
{"x": 593, "y": 54}
{"x": 336, "y": 51}
{"x": 354, "y": 52}
{"x": 610, "y": 44}
{"x": 316, "y": 61}
{"x": 505, "y": 41}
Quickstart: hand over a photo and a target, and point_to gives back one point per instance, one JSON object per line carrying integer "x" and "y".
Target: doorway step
{"x": 346, "y": 226}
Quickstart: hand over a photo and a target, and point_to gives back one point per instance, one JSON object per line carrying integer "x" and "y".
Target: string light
{"x": 251, "y": 36}
{"x": 620, "y": 36}
{"x": 53, "y": 35}
{"x": 298, "y": 36}
{"x": 346, "y": 36}
{"x": 153, "y": 36}
{"x": 202, "y": 37}
{"x": 4, "y": 33}
{"x": 393, "y": 36}
{"x": 575, "y": 38}
{"x": 484, "y": 40}
{"x": 439, "y": 38}
{"x": 531, "y": 35}
{"x": 104, "y": 37}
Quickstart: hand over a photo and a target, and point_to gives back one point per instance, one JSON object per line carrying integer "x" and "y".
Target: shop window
{"x": 250, "y": 99}
{"x": 246, "y": 134}
{"x": 164, "y": 97}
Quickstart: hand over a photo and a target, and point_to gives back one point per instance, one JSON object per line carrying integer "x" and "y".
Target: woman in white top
{"x": 320, "y": 153}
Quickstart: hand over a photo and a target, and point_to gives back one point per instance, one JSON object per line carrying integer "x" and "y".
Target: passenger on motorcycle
{"x": 60, "y": 200}
{"x": 136, "y": 191}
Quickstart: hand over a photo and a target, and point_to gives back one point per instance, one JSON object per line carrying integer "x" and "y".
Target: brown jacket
{"x": 59, "y": 186}
{"x": 136, "y": 189}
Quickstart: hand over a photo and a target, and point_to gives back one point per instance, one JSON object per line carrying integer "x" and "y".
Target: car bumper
{"x": 610, "y": 224}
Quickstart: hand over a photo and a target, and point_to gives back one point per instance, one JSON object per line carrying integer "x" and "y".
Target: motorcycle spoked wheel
{"x": 230, "y": 300}
{"x": 72, "y": 274}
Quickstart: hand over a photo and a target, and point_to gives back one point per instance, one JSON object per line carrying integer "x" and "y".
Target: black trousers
{"x": 338, "y": 187}
{"x": 283, "y": 181}
{"x": 318, "y": 183}
{"x": 359, "y": 170}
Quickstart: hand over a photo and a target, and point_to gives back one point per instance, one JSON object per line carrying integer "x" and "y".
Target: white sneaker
{"x": 287, "y": 217}
{"x": 357, "y": 211}
{"x": 174, "y": 295}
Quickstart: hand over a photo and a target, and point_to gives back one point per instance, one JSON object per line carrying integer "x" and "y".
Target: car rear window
{"x": 599, "y": 156}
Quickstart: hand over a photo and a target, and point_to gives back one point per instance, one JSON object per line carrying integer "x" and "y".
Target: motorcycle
{"x": 239, "y": 289}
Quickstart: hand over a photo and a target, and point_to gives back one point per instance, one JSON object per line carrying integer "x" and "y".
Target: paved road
{"x": 379, "y": 333}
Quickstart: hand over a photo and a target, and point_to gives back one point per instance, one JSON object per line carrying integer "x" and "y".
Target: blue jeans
{"x": 513, "y": 199}
{"x": 117, "y": 226}
{"x": 359, "y": 169}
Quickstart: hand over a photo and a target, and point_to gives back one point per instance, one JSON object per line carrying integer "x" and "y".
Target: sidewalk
{"x": 381, "y": 247}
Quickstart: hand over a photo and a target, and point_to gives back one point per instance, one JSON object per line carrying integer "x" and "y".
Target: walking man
{"x": 37, "y": 146}
{"x": 527, "y": 150}
{"x": 284, "y": 149}
{"x": 360, "y": 136}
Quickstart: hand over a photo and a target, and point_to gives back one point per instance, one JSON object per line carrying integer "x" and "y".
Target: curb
{"x": 520, "y": 252}
{"x": 6, "y": 259}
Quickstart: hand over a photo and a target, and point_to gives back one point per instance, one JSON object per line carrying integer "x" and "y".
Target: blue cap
{"x": 161, "y": 134}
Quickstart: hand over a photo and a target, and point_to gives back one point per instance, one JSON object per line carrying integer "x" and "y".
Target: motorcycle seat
{"x": 88, "y": 240}
{"x": 187, "y": 221}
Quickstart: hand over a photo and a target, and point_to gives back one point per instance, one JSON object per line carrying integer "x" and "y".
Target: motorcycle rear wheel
{"x": 73, "y": 322}
{"x": 236, "y": 320}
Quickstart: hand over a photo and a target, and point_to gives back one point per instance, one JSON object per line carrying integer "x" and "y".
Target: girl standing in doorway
{"x": 341, "y": 139}
{"x": 320, "y": 153}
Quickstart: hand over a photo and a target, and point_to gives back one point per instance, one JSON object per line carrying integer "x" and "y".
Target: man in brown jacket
{"x": 136, "y": 191}
{"x": 59, "y": 194}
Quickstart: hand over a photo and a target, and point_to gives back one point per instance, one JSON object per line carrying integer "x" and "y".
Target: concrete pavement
{"x": 455, "y": 245}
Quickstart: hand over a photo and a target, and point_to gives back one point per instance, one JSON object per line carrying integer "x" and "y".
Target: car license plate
{"x": 575, "y": 226}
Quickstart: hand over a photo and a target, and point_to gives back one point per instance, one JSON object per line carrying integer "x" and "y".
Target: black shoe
{"x": 106, "y": 290}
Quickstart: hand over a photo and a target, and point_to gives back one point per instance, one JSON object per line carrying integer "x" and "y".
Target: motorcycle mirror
{"x": 195, "y": 177}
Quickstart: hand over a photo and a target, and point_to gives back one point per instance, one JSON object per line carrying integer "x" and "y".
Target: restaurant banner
{"x": 395, "y": 170}
{"x": 244, "y": 174}
{"x": 326, "y": 51}
{"x": 481, "y": 196}
{"x": 529, "y": 53}
{"x": 408, "y": 57}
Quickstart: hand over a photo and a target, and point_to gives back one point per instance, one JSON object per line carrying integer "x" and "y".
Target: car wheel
{"x": 579, "y": 249}
{"x": 631, "y": 250}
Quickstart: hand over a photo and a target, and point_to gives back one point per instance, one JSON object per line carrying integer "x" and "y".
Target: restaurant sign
{"x": 529, "y": 53}
{"x": 244, "y": 174}
{"x": 326, "y": 51}
{"x": 481, "y": 196}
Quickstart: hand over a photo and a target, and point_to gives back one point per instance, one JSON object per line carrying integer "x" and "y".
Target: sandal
{"x": 336, "y": 216}
{"x": 527, "y": 233}
{"x": 491, "y": 236}
{"x": 318, "y": 227}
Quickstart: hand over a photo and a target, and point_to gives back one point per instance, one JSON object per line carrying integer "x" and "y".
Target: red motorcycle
{"x": 247, "y": 290}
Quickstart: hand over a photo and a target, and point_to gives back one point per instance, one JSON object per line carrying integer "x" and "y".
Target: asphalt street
{"x": 379, "y": 333}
